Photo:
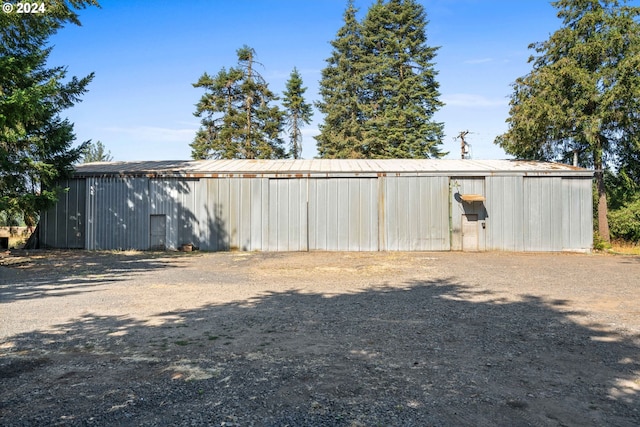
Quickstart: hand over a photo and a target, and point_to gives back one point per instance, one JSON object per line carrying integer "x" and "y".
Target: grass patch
{"x": 624, "y": 247}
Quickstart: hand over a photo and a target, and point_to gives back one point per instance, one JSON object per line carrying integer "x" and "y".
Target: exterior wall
{"x": 468, "y": 219}
{"x": 505, "y": 223}
{"x": 414, "y": 213}
{"x": 343, "y": 214}
{"x": 539, "y": 213}
{"x": 117, "y": 213}
{"x": 354, "y": 213}
{"x": 64, "y": 225}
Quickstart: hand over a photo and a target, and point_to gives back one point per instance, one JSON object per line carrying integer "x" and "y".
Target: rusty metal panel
{"x": 542, "y": 213}
{"x": 577, "y": 220}
{"x": 414, "y": 213}
{"x": 326, "y": 167}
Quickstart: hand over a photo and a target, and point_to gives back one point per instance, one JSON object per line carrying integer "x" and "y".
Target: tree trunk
{"x": 603, "y": 222}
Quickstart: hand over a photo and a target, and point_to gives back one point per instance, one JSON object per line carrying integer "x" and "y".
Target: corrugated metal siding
{"x": 63, "y": 226}
{"x": 343, "y": 214}
{"x": 542, "y": 214}
{"x": 287, "y": 215}
{"x": 358, "y": 213}
{"x": 505, "y": 213}
{"x": 117, "y": 213}
{"x": 577, "y": 224}
{"x": 415, "y": 213}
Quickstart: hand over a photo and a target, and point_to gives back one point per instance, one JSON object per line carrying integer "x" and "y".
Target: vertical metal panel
{"x": 415, "y": 213}
{"x": 505, "y": 213}
{"x": 259, "y": 188}
{"x": 318, "y": 214}
{"x": 174, "y": 198}
{"x": 215, "y": 232}
{"x": 118, "y": 213}
{"x": 343, "y": 214}
{"x": 288, "y": 215}
{"x": 244, "y": 214}
{"x": 577, "y": 220}
{"x": 542, "y": 213}
{"x": 63, "y": 225}
{"x": 233, "y": 206}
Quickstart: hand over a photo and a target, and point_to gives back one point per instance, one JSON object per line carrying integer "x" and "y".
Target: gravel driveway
{"x": 319, "y": 339}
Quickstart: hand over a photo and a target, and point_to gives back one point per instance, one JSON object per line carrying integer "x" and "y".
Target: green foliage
{"x": 624, "y": 222}
{"x": 298, "y": 111}
{"x": 96, "y": 152}
{"x": 583, "y": 93}
{"x": 341, "y": 90}
{"x": 378, "y": 91}
{"x": 10, "y": 219}
{"x": 599, "y": 244}
{"x": 35, "y": 142}
{"x": 237, "y": 120}
{"x": 401, "y": 93}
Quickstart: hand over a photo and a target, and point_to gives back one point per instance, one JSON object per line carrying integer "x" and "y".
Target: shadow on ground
{"x": 68, "y": 272}
{"x": 431, "y": 353}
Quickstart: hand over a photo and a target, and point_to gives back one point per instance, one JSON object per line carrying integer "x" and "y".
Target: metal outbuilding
{"x": 342, "y": 205}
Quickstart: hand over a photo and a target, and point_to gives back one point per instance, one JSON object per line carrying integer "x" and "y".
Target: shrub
{"x": 624, "y": 223}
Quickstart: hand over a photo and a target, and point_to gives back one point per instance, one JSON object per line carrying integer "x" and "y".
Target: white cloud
{"x": 470, "y": 100}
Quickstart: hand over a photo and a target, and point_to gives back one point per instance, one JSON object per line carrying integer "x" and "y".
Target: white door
{"x": 470, "y": 232}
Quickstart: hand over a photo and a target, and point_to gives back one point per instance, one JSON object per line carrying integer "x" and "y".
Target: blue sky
{"x": 146, "y": 55}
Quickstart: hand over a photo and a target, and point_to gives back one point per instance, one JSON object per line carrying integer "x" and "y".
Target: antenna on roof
{"x": 465, "y": 147}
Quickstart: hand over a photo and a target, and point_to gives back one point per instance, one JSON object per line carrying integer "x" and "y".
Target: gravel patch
{"x": 319, "y": 339}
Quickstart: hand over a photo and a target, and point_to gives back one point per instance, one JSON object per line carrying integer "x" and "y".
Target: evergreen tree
{"x": 401, "y": 92}
{"x": 237, "y": 121}
{"x": 35, "y": 141}
{"x": 379, "y": 92}
{"x": 341, "y": 90}
{"x": 297, "y": 111}
{"x": 96, "y": 153}
{"x": 583, "y": 93}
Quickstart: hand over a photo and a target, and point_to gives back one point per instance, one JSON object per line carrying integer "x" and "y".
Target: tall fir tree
{"x": 96, "y": 152}
{"x": 379, "y": 91}
{"x": 401, "y": 91}
{"x": 583, "y": 94}
{"x": 341, "y": 90}
{"x": 237, "y": 120}
{"x": 297, "y": 111}
{"x": 36, "y": 149}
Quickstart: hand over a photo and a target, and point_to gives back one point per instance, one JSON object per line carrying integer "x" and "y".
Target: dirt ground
{"x": 319, "y": 339}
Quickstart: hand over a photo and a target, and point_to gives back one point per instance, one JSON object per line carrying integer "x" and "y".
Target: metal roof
{"x": 325, "y": 167}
